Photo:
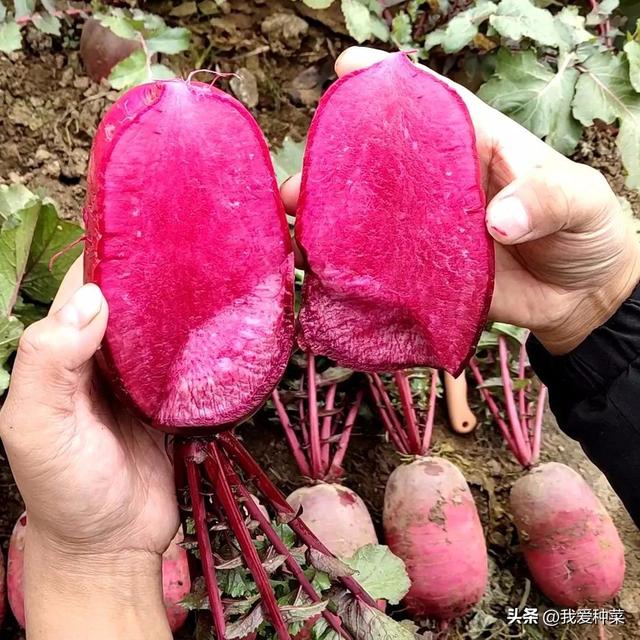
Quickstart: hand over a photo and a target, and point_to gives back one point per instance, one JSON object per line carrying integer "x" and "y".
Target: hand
{"x": 97, "y": 484}
{"x": 565, "y": 256}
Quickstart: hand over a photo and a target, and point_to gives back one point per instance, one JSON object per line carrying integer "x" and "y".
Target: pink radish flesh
{"x": 431, "y": 522}
{"x": 569, "y": 541}
{"x": 176, "y": 581}
{"x": 337, "y": 516}
{"x": 3, "y": 595}
{"x": 187, "y": 237}
{"x": 391, "y": 222}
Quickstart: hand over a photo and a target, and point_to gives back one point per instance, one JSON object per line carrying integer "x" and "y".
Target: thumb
{"x": 563, "y": 196}
{"x": 54, "y": 355}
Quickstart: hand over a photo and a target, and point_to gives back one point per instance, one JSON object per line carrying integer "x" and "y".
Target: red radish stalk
{"x": 176, "y": 582}
{"x": 568, "y": 539}
{"x": 430, "y": 518}
{"x": 318, "y": 439}
{"x": 3, "y": 594}
{"x": 391, "y": 160}
{"x": 200, "y": 327}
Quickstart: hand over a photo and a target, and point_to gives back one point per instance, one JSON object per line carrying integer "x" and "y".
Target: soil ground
{"x": 48, "y": 114}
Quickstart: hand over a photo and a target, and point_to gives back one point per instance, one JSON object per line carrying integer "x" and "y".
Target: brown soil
{"x": 49, "y": 111}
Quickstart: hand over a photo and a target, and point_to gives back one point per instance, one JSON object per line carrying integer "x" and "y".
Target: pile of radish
{"x": 568, "y": 539}
{"x": 201, "y": 330}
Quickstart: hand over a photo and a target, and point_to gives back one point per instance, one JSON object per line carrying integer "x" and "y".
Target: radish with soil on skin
{"x": 430, "y": 518}
{"x": 101, "y": 49}
{"x": 200, "y": 328}
{"x": 391, "y": 161}
{"x": 318, "y": 438}
{"x": 176, "y": 581}
{"x": 568, "y": 539}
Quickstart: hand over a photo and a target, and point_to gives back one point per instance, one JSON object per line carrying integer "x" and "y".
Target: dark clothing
{"x": 594, "y": 392}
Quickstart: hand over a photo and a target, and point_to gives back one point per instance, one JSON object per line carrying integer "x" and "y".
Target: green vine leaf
{"x": 535, "y": 96}
{"x": 461, "y": 29}
{"x": 604, "y": 92}
{"x": 518, "y": 19}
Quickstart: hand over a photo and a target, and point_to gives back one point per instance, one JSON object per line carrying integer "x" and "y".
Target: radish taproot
{"x": 430, "y": 518}
{"x": 391, "y": 163}
{"x": 568, "y": 539}
{"x": 318, "y": 428}
{"x": 176, "y": 582}
{"x": 186, "y": 236}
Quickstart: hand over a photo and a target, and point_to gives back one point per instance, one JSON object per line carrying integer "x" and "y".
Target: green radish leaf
{"x": 130, "y": 72}
{"x": 333, "y": 567}
{"x": 380, "y": 573}
{"x": 27, "y": 312}
{"x": 300, "y": 613}
{"x": 571, "y": 29}
{"x": 10, "y": 332}
{"x": 401, "y": 29}
{"x": 19, "y": 209}
{"x": 10, "y": 37}
{"x": 286, "y": 534}
{"x": 358, "y": 19}
{"x": 161, "y": 72}
{"x": 24, "y": 8}
{"x": 47, "y": 23}
{"x": 287, "y": 160}
{"x": 169, "y": 40}
{"x": 51, "y": 236}
{"x": 518, "y": 334}
{"x": 632, "y": 49}
{"x": 3, "y": 12}
{"x": 365, "y": 622}
{"x": 535, "y": 96}
{"x": 604, "y": 92}
{"x": 318, "y": 4}
{"x": 461, "y": 29}
{"x": 518, "y": 19}
{"x": 119, "y": 23}
{"x": 245, "y": 625}
{"x": 491, "y": 382}
{"x": 148, "y": 21}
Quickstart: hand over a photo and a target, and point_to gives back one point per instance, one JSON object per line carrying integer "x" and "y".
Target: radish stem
{"x": 224, "y": 494}
{"x": 386, "y": 420}
{"x": 204, "y": 541}
{"x": 325, "y": 435}
{"x": 290, "y": 434}
{"x": 428, "y": 424}
{"x": 404, "y": 390}
{"x": 335, "y": 470}
{"x": 314, "y": 426}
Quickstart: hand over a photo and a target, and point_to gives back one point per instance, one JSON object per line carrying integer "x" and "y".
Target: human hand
{"x": 97, "y": 484}
{"x": 565, "y": 256}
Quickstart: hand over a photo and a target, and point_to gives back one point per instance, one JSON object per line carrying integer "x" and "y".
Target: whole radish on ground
{"x": 430, "y": 518}
{"x": 201, "y": 328}
{"x": 391, "y": 161}
{"x": 176, "y": 582}
{"x": 569, "y": 541}
{"x": 318, "y": 426}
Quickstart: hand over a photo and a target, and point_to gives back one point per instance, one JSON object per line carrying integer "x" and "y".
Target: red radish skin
{"x": 337, "y": 516}
{"x": 176, "y": 581}
{"x": 391, "y": 220}
{"x": 101, "y": 49}
{"x": 3, "y": 595}
{"x": 431, "y": 522}
{"x": 15, "y": 569}
{"x": 569, "y": 541}
{"x": 181, "y": 169}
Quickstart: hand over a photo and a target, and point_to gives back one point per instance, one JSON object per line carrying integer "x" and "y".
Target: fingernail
{"x": 507, "y": 219}
{"x": 83, "y": 307}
